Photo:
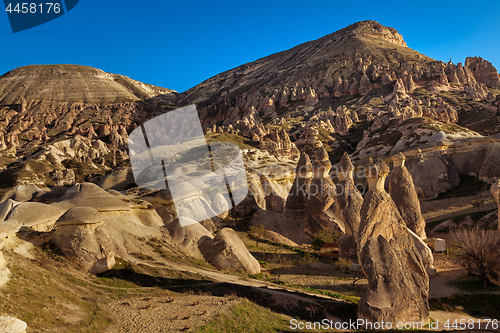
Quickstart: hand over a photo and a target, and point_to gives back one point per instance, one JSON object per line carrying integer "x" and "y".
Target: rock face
{"x": 82, "y": 236}
{"x": 35, "y": 215}
{"x": 432, "y": 174}
{"x": 22, "y": 193}
{"x": 278, "y": 143}
{"x": 425, "y": 253}
{"x": 227, "y": 252}
{"x": 495, "y": 190}
{"x": 398, "y": 284}
{"x": 348, "y": 200}
{"x": 402, "y": 191}
{"x": 4, "y": 271}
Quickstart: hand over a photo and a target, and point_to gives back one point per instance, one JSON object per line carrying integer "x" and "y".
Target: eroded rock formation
{"x": 398, "y": 284}
{"x": 82, "y": 236}
{"x": 402, "y": 191}
{"x": 227, "y": 252}
{"x": 348, "y": 208}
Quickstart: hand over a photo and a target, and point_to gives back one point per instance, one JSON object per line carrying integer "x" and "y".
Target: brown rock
{"x": 188, "y": 238}
{"x": 402, "y": 191}
{"x": 398, "y": 283}
{"x": 227, "y": 252}
{"x": 483, "y": 71}
{"x": 495, "y": 190}
{"x": 82, "y": 236}
{"x": 348, "y": 203}
{"x": 297, "y": 197}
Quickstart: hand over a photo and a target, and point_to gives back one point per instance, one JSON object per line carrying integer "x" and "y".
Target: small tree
{"x": 283, "y": 260}
{"x": 316, "y": 244}
{"x": 478, "y": 250}
{"x": 476, "y": 204}
{"x": 258, "y": 232}
{"x": 321, "y": 237}
{"x": 307, "y": 259}
{"x": 355, "y": 275}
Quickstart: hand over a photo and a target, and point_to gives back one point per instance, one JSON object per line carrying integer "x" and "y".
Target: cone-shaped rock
{"x": 348, "y": 203}
{"x": 297, "y": 197}
{"x": 398, "y": 284}
{"x": 321, "y": 196}
{"x": 402, "y": 191}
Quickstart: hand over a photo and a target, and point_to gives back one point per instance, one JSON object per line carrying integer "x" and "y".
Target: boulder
{"x": 398, "y": 284}
{"x": 9, "y": 227}
{"x": 277, "y": 238}
{"x": 82, "y": 236}
{"x": 80, "y": 216}
{"x": 6, "y": 207}
{"x": 12, "y": 325}
{"x": 402, "y": 191}
{"x": 227, "y": 252}
{"x": 188, "y": 237}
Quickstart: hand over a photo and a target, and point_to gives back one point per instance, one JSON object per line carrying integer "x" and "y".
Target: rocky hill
{"x": 72, "y": 83}
{"x": 321, "y": 127}
{"x": 359, "y": 90}
{"x": 341, "y": 89}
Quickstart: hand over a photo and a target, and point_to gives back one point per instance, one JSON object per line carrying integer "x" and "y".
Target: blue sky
{"x": 178, "y": 44}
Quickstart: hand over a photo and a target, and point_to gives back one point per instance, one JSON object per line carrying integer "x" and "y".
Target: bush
{"x": 478, "y": 250}
{"x": 323, "y": 236}
{"x": 258, "y": 232}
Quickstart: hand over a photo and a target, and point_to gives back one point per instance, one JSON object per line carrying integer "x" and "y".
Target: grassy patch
{"x": 469, "y": 185}
{"x": 242, "y": 142}
{"x": 50, "y": 300}
{"x": 448, "y": 128}
{"x": 474, "y": 284}
{"x": 478, "y": 305}
{"x": 247, "y": 317}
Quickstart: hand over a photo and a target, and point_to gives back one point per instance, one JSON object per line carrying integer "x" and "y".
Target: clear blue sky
{"x": 178, "y": 44}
